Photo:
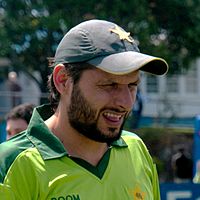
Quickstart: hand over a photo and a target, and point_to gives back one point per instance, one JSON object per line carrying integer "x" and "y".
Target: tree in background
{"x": 30, "y": 30}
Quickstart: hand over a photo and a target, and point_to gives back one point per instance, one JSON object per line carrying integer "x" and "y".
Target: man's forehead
{"x": 99, "y": 75}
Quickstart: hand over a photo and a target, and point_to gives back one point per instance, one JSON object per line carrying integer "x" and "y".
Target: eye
{"x": 132, "y": 86}
{"x": 110, "y": 86}
{"x": 113, "y": 85}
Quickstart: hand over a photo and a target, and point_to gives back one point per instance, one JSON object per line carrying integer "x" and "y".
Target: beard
{"x": 83, "y": 118}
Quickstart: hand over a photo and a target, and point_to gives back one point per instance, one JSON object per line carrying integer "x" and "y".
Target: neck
{"x": 85, "y": 149}
{"x": 76, "y": 144}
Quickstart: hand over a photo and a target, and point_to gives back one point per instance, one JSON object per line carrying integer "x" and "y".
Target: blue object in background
{"x": 2, "y": 131}
{"x": 196, "y": 150}
{"x": 182, "y": 191}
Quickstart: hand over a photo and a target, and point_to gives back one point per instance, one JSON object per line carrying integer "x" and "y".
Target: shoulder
{"x": 130, "y": 137}
{"x": 9, "y": 151}
{"x": 14, "y": 145}
{"x": 134, "y": 142}
{"x": 137, "y": 149}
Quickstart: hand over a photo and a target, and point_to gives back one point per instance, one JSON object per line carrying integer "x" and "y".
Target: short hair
{"x": 22, "y": 111}
{"x": 74, "y": 70}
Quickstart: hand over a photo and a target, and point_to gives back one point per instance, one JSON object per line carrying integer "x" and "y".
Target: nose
{"x": 125, "y": 98}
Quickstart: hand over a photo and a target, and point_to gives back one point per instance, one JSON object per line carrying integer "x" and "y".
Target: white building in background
{"x": 30, "y": 93}
{"x": 172, "y": 96}
{"x": 30, "y": 90}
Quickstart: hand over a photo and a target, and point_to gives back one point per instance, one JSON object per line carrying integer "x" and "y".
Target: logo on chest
{"x": 137, "y": 193}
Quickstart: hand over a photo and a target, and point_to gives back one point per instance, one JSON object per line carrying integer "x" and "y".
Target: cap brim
{"x": 129, "y": 61}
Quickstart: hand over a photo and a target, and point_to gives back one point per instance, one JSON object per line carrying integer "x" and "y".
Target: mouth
{"x": 113, "y": 118}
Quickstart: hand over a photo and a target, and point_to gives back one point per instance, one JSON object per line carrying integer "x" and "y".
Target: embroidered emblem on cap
{"x": 123, "y": 35}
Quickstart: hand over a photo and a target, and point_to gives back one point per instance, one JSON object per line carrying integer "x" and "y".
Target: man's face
{"x": 14, "y": 126}
{"x": 101, "y": 102}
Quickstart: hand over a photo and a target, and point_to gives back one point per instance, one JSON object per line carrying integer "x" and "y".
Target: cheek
{"x": 133, "y": 93}
{"x": 102, "y": 99}
{"x": 134, "y": 97}
{"x": 97, "y": 97}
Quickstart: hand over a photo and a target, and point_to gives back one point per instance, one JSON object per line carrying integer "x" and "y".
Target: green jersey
{"x": 35, "y": 165}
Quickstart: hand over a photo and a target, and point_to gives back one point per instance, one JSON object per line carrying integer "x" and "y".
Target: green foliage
{"x": 180, "y": 20}
{"x": 30, "y": 30}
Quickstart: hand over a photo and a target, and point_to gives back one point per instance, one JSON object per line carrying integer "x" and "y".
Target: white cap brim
{"x": 129, "y": 61}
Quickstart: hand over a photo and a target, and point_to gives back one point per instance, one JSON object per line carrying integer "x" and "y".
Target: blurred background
{"x": 165, "y": 114}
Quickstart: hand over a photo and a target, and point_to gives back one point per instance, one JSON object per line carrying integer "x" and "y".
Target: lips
{"x": 113, "y": 117}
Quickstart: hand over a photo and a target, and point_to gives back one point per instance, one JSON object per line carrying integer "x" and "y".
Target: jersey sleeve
{"x": 152, "y": 171}
{"x": 150, "y": 167}
{"x": 20, "y": 182}
{"x": 140, "y": 151}
{"x": 6, "y": 192}
{"x": 155, "y": 183}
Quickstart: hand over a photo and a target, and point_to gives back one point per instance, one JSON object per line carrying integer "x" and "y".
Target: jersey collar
{"x": 44, "y": 140}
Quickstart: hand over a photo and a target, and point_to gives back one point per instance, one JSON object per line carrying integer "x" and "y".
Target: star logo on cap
{"x": 123, "y": 35}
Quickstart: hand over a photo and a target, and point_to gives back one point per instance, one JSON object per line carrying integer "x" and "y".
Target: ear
{"x": 60, "y": 78}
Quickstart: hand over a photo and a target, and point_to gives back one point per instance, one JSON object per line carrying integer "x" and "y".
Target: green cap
{"x": 108, "y": 47}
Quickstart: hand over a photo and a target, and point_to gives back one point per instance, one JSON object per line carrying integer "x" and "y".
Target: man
{"x": 75, "y": 148}
{"x": 18, "y": 119}
{"x": 182, "y": 166}
{"x": 15, "y": 88}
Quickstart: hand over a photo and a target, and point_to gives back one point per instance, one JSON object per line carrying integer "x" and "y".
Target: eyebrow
{"x": 138, "y": 80}
{"x": 110, "y": 81}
